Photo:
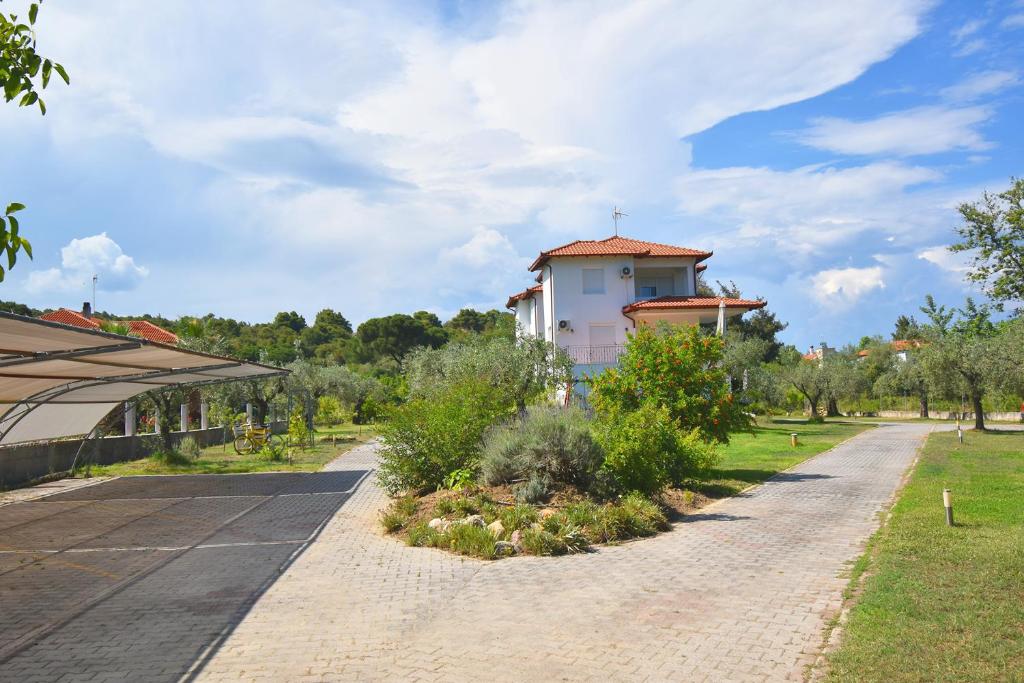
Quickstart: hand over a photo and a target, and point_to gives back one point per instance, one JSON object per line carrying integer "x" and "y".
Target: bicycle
{"x": 250, "y": 439}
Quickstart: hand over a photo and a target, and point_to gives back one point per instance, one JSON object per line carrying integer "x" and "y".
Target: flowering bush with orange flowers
{"x": 678, "y": 368}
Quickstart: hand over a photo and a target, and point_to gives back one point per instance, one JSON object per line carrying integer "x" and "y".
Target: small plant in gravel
{"x": 422, "y": 536}
{"x": 517, "y": 517}
{"x": 398, "y": 514}
{"x": 639, "y": 516}
{"x": 540, "y": 542}
{"x": 475, "y": 541}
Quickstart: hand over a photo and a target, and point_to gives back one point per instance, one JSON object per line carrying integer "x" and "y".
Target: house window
{"x": 593, "y": 280}
{"x": 648, "y": 292}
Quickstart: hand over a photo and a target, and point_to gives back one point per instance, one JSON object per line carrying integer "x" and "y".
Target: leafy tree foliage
{"x": 993, "y": 230}
{"x": 23, "y": 73}
{"x": 396, "y": 335}
{"x": 524, "y": 370}
{"x": 676, "y": 367}
{"x": 960, "y": 356}
{"x": 907, "y": 328}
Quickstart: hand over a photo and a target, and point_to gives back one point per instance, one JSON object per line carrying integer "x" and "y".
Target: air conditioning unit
{"x": 564, "y": 326}
{"x": 627, "y": 271}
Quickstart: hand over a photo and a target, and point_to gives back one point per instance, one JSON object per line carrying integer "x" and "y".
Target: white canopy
{"x": 57, "y": 380}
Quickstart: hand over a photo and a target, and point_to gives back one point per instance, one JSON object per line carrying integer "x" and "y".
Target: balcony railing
{"x": 587, "y": 355}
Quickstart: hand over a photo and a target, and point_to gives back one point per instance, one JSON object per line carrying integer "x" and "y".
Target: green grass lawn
{"x": 224, "y": 460}
{"x": 940, "y": 603}
{"x": 752, "y": 458}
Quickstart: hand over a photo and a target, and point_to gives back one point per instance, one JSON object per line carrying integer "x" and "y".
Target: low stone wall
{"x": 26, "y": 462}
{"x": 949, "y": 415}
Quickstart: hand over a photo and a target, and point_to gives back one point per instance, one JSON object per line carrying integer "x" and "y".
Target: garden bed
{"x": 578, "y": 523}
{"x": 487, "y": 523}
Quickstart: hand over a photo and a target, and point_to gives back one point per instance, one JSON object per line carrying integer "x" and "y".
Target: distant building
{"x": 819, "y": 354}
{"x": 900, "y": 347}
{"x": 85, "y": 318}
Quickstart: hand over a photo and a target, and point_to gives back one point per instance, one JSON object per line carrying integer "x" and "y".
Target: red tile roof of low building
{"x": 691, "y": 302}
{"x": 898, "y": 345}
{"x": 147, "y": 330}
{"x": 66, "y": 316}
{"x": 137, "y": 328}
{"x": 525, "y": 294}
{"x": 618, "y": 246}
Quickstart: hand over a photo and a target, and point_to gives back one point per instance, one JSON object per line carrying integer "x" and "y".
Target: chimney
{"x": 86, "y": 309}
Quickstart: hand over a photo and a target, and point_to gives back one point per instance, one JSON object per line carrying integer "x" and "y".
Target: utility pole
{"x": 94, "y": 279}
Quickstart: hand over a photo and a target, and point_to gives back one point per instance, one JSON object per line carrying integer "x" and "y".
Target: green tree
{"x": 23, "y": 73}
{"x": 679, "y": 368}
{"x": 993, "y": 230}
{"x": 523, "y": 370}
{"x": 291, "y": 320}
{"x": 396, "y": 335}
{"x": 807, "y": 377}
{"x": 906, "y": 328}
{"x": 958, "y": 358}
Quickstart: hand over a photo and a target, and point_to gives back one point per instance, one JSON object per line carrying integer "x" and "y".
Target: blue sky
{"x": 248, "y": 158}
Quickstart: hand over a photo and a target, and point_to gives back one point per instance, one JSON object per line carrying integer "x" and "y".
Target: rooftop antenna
{"x": 94, "y": 279}
{"x": 616, "y": 215}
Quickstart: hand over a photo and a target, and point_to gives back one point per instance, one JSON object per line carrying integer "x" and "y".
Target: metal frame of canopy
{"x": 58, "y": 380}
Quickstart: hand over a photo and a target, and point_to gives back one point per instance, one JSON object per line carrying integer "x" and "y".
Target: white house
{"x": 592, "y": 293}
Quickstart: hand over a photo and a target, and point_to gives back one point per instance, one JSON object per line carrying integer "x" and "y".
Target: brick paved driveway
{"x": 740, "y": 592}
{"x": 137, "y": 578}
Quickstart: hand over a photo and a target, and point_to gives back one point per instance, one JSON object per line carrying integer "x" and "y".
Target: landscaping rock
{"x": 475, "y": 520}
{"x": 496, "y": 528}
{"x": 502, "y": 548}
{"x": 438, "y": 524}
{"x": 517, "y": 541}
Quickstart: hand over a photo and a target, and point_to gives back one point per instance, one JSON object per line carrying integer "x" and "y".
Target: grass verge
{"x": 224, "y": 460}
{"x": 940, "y": 603}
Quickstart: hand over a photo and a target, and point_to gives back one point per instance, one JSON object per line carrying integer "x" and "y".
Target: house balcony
{"x": 595, "y": 355}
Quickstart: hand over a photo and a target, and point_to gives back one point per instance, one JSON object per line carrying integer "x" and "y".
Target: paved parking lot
{"x": 139, "y": 578}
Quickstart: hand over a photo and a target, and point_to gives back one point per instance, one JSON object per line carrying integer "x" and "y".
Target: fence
{"x": 590, "y": 355}
{"x": 26, "y": 462}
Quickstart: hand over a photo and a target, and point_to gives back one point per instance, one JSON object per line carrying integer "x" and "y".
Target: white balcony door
{"x": 602, "y": 335}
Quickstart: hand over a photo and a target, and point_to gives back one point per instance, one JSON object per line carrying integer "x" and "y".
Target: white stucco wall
{"x": 562, "y": 297}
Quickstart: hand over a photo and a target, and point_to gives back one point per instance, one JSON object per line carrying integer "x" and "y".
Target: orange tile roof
{"x": 147, "y": 330}
{"x": 898, "y": 345}
{"x": 137, "y": 328}
{"x": 526, "y": 294}
{"x": 66, "y": 316}
{"x": 690, "y": 302}
{"x": 617, "y": 246}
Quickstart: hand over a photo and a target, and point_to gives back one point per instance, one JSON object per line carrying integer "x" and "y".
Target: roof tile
{"x": 617, "y": 246}
{"x": 690, "y": 302}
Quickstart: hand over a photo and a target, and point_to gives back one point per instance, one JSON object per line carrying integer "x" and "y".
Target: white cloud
{"x": 923, "y": 130}
{"x": 811, "y": 211}
{"x": 964, "y": 38}
{"x": 404, "y": 138}
{"x": 81, "y": 259}
{"x": 953, "y": 263}
{"x": 981, "y": 84}
{"x": 845, "y": 286}
{"x": 1013, "y": 21}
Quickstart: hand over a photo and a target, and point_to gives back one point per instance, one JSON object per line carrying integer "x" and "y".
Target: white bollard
{"x": 204, "y": 420}
{"x": 184, "y": 417}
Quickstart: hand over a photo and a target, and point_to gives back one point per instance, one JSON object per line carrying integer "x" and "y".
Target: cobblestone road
{"x": 740, "y": 592}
